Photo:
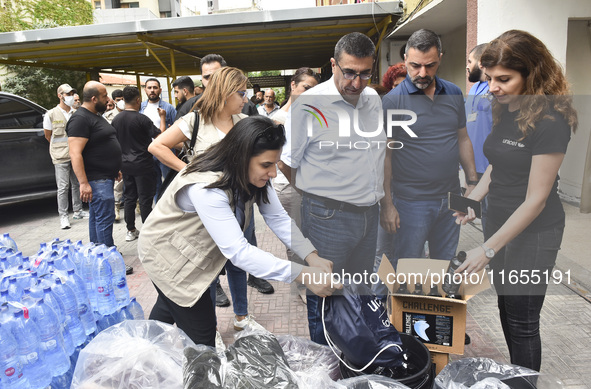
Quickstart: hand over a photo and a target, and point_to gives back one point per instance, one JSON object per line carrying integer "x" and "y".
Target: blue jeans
{"x": 346, "y": 238}
{"x": 385, "y": 246}
{"x": 237, "y": 277}
{"x": 102, "y": 212}
{"x": 422, "y": 221}
{"x": 520, "y": 303}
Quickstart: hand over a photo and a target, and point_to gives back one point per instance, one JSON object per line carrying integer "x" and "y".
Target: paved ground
{"x": 566, "y": 317}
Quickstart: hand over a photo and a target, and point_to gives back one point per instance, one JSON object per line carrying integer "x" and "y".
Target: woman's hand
{"x": 463, "y": 218}
{"x": 314, "y": 260}
{"x": 318, "y": 281}
{"x": 475, "y": 261}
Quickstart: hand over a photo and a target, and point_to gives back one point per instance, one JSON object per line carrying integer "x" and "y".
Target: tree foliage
{"x": 34, "y": 83}
{"x": 18, "y": 15}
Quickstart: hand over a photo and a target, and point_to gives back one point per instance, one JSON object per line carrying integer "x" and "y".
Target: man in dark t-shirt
{"x": 135, "y": 132}
{"x": 96, "y": 160}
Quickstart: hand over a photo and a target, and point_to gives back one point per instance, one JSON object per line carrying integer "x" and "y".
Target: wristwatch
{"x": 470, "y": 182}
{"x": 488, "y": 252}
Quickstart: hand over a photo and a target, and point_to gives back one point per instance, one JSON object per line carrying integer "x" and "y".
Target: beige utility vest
{"x": 58, "y": 145}
{"x": 175, "y": 248}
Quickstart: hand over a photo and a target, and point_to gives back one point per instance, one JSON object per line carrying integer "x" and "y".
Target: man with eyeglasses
{"x": 337, "y": 147}
{"x": 419, "y": 175}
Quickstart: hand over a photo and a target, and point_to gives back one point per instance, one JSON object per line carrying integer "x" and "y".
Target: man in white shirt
{"x": 54, "y": 127}
{"x": 338, "y": 149}
{"x": 269, "y": 107}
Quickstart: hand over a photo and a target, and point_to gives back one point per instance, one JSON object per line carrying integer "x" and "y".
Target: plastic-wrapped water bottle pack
{"x": 52, "y": 304}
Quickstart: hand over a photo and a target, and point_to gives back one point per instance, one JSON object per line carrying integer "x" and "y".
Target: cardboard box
{"x": 440, "y": 360}
{"x": 438, "y": 322}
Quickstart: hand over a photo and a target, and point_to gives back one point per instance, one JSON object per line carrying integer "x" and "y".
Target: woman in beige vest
{"x": 219, "y": 109}
{"x": 200, "y": 221}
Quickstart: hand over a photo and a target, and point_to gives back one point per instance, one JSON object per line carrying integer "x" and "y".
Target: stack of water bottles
{"x": 52, "y": 304}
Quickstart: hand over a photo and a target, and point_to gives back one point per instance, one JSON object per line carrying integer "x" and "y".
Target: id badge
{"x": 472, "y": 117}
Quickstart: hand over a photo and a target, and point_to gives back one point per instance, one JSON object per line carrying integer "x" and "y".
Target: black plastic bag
{"x": 357, "y": 323}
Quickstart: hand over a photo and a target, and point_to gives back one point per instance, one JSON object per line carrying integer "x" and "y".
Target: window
{"x": 97, "y": 5}
{"x": 16, "y": 115}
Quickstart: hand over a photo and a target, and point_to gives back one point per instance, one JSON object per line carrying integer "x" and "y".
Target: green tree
{"x": 40, "y": 84}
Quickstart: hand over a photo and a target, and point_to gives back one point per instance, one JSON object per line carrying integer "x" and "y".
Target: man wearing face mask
{"x": 117, "y": 96}
{"x": 96, "y": 160}
{"x": 54, "y": 126}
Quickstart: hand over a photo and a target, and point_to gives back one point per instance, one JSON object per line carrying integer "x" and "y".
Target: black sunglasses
{"x": 272, "y": 133}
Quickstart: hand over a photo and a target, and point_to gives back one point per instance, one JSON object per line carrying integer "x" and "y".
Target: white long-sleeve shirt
{"x": 214, "y": 209}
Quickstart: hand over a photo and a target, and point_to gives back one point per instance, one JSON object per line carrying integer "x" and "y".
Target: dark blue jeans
{"x": 102, "y": 212}
{"x": 520, "y": 303}
{"x": 346, "y": 238}
{"x": 422, "y": 221}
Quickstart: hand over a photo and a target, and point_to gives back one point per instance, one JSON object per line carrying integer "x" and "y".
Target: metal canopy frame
{"x": 251, "y": 41}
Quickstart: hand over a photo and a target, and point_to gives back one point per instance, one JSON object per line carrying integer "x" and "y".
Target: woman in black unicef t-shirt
{"x": 532, "y": 122}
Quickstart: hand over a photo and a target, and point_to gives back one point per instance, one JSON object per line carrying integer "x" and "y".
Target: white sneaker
{"x": 132, "y": 235}
{"x": 219, "y": 342}
{"x": 64, "y": 222}
{"x": 81, "y": 215}
{"x": 247, "y": 321}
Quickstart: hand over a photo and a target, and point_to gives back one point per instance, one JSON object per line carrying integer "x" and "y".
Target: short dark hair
{"x": 356, "y": 44}
{"x": 422, "y": 40}
{"x": 130, "y": 93}
{"x": 478, "y": 50}
{"x": 231, "y": 156}
{"x": 184, "y": 82}
{"x": 116, "y": 93}
{"x": 152, "y": 79}
{"x": 213, "y": 58}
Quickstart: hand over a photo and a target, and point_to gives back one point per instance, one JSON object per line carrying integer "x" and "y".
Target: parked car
{"x": 26, "y": 170}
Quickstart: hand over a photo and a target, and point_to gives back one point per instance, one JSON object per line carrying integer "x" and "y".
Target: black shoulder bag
{"x": 183, "y": 156}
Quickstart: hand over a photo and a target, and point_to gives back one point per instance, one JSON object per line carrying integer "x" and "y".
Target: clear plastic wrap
{"x": 134, "y": 354}
{"x": 485, "y": 373}
{"x": 308, "y": 358}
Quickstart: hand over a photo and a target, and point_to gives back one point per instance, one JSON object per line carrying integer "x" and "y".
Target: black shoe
{"x": 260, "y": 284}
{"x": 128, "y": 269}
{"x": 467, "y": 339}
{"x": 221, "y": 300}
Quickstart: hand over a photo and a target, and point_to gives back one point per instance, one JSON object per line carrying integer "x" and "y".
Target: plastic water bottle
{"x": 103, "y": 278}
{"x": 84, "y": 308}
{"x": 451, "y": 281}
{"x": 15, "y": 259}
{"x": 11, "y": 372}
{"x": 124, "y": 314}
{"x": 3, "y": 296}
{"x": 68, "y": 297}
{"x": 34, "y": 365}
{"x": 14, "y": 292}
{"x": 56, "y": 304}
{"x": 120, "y": 287}
{"x": 88, "y": 261}
{"x": 50, "y": 336}
{"x": 135, "y": 309}
{"x": 7, "y": 241}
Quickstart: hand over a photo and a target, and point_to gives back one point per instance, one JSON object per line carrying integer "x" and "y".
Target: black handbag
{"x": 183, "y": 156}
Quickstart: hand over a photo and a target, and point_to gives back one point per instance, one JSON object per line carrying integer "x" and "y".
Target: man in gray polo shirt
{"x": 337, "y": 147}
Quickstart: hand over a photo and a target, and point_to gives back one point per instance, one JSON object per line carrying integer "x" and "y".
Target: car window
{"x": 17, "y": 115}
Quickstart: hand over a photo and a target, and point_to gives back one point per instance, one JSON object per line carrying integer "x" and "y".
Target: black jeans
{"x": 521, "y": 294}
{"x": 197, "y": 321}
{"x": 142, "y": 187}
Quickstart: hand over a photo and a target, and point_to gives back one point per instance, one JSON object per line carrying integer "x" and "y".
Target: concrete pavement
{"x": 566, "y": 316}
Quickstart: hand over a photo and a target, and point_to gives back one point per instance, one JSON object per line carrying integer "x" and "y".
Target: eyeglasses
{"x": 272, "y": 133}
{"x": 353, "y": 75}
{"x": 242, "y": 93}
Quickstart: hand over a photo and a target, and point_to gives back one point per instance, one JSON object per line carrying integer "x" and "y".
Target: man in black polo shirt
{"x": 96, "y": 160}
{"x": 135, "y": 132}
